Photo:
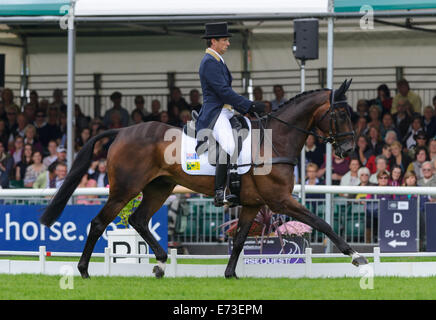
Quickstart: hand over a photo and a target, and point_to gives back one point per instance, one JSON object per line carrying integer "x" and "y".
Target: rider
{"x": 220, "y": 102}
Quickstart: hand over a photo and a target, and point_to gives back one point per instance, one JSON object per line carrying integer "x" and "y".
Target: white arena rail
{"x": 244, "y": 268}
{"x": 180, "y": 189}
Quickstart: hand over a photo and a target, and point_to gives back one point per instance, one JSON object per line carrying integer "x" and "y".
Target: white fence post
{"x": 107, "y": 261}
{"x": 376, "y": 259}
{"x": 308, "y": 258}
{"x": 173, "y": 264}
{"x": 42, "y": 254}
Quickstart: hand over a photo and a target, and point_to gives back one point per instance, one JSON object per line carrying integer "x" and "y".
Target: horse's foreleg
{"x": 245, "y": 220}
{"x": 154, "y": 195}
{"x": 294, "y": 209}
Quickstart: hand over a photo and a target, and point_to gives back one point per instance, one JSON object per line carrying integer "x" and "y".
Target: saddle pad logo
{"x": 193, "y": 165}
{"x": 192, "y": 156}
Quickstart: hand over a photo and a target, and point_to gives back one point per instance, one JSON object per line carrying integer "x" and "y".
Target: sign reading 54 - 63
{"x": 398, "y": 226}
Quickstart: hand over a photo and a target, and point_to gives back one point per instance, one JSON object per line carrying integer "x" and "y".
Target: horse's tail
{"x": 80, "y": 166}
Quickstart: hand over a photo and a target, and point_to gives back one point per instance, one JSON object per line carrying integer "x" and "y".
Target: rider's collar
{"x": 215, "y": 54}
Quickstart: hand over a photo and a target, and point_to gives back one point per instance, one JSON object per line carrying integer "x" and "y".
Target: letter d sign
{"x": 398, "y": 217}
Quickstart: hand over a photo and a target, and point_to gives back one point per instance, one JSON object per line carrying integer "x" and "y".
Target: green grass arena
{"x": 41, "y": 287}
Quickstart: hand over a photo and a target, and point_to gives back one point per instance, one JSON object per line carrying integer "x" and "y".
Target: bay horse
{"x": 135, "y": 163}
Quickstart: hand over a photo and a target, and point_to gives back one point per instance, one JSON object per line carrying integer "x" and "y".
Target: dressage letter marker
{"x": 398, "y": 227}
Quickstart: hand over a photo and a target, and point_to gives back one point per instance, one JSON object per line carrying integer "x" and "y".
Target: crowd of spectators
{"x": 394, "y": 134}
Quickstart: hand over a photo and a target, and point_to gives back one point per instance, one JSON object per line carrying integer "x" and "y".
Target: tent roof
{"x": 33, "y": 7}
{"x": 162, "y": 7}
{"x": 383, "y": 5}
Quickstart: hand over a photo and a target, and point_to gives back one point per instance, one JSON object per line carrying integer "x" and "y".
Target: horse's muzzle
{"x": 344, "y": 149}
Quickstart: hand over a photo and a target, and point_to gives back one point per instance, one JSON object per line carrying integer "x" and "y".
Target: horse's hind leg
{"x": 244, "y": 223}
{"x": 292, "y": 208}
{"x": 154, "y": 195}
{"x": 106, "y": 215}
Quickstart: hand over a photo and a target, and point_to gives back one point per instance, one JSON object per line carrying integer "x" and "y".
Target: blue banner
{"x": 430, "y": 223}
{"x": 20, "y": 229}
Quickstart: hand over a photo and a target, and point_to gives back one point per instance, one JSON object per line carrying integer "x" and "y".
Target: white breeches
{"x": 222, "y": 131}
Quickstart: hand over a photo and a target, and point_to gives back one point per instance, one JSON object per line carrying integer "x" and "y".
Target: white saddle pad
{"x": 194, "y": 164}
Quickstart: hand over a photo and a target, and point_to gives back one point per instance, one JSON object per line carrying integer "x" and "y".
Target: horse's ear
{"x": 340, "y": 92}
{"x": 347, "y": 86}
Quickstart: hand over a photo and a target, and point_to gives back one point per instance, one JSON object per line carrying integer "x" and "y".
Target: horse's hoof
{"x": 158, "y": 272}
{"x": 232, "y": 275}
{"x": 358, "y": 260}
{"x": 84, "y": 273}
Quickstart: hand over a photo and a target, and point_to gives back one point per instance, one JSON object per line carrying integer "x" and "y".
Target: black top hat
{"x": 216, "y": 30}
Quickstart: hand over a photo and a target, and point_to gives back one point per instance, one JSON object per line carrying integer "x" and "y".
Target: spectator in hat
{"x": 405, "y": 93}
{"x": 61, "y": 154}
{"x": 124, "y": 114}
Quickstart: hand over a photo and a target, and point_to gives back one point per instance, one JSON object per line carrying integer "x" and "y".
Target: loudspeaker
{"x": 2, "y": 70}
{"x": 306, "y": 39}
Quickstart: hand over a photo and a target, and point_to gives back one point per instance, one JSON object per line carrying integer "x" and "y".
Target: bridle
{"x": 334, "y": 135}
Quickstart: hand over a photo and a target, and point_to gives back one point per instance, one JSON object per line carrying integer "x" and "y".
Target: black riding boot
{"x": 220, "y": 186}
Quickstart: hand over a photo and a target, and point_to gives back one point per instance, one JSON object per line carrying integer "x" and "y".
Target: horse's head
{"x": 334, "y": 120}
